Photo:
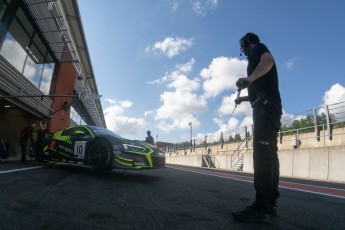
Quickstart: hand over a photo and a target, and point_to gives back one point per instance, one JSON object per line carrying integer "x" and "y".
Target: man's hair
{"x": 249, "y": 38}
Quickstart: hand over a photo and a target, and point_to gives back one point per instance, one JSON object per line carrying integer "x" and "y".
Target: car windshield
{"x": 100, "y": 130}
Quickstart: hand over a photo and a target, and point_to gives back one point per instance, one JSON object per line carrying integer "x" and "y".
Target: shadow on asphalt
{"x": 115, "y": 174}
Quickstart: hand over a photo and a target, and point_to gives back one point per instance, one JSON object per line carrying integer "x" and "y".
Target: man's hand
{"x": 266, "y": 63}
{"x": 243, "y": 83}
{"x": 238, "y": 100}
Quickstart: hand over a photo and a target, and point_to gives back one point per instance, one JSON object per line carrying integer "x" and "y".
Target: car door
{"x": 80, "y": 139}
{"x": 65, "y": 145}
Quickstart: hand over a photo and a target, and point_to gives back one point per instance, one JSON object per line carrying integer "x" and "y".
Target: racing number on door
{"x": 79, "y": 149}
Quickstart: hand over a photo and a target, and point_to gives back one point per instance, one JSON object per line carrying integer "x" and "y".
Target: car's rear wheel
{"x": 100, "y": 155}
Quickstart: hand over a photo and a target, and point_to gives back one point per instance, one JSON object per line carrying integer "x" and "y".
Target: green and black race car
{"x": 101, "y": 149}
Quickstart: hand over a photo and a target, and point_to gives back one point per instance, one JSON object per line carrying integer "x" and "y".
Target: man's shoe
{"x": 253, "y": 213}
{"x": 273, "y": 210}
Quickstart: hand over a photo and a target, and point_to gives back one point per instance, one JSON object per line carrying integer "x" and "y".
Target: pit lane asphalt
{"x": 73, "y": 197}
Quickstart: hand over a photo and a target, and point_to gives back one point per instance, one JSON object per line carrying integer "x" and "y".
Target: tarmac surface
{"x": 37, "y": 196}
{"x": 16, "y": 157}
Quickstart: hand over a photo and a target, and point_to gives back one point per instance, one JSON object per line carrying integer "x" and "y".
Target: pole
{"x": 238, "y": 96}
{"x": 191, "y": 135}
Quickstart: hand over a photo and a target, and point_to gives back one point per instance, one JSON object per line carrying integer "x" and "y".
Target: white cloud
{"x": 334, "y": 98}
{"x": 16, "y": 55}
{"x": 178, "y": 110}
{"x": 186, "y": 67}
{"x": 247, "y": 121}
{"x": 180, "y": 105}
{"x": 228, "y": 105}
{"x": 334, "y": 95}
{"x": 118, "y": 122}
{"x": 231, "y": 124}
{"x": 222, "y": 74}
{"x": 202, "y": 7}
{"x": 148, "y": 113}
{"x": 13, "y": 53}
{"x": 287, "y": 118}
{"x": 171, "y": 47}
{"x": 30, "y": 71}
{"x": 175, "y": 6}
{"x": 231, "y": 127}
{"x": 46, "y": 80}
{"x": 289, "y": 64}
{"x": 183, "y": 83}
{"x": 181, "y": 70}
{"x": 45, "y": 87}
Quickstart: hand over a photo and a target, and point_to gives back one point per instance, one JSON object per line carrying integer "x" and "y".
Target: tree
{"x": 237, "y": 137}
{"x": 231, "y": 139}
{"x": 307, "y": 123}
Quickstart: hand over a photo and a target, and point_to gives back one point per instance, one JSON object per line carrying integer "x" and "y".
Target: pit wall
{"x": 308, "y": 140}
{"x": 326, "y": 163}
{"x": 316, "y": 160}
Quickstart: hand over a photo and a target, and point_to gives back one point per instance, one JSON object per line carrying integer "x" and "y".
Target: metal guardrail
{"x": 238, "y": 155}
{"x": 210, "y": 160}
{"x": 322, "y": 132}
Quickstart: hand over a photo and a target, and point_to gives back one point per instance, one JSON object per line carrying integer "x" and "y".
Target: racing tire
{"x": 100, "y": 155}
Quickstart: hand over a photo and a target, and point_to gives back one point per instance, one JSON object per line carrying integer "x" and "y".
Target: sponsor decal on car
{"x": 66, "y": 149}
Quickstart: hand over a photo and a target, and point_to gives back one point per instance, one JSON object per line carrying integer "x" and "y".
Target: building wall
{"x": 30, "y": 73}
{"x": 12, "y": 121}
{"x": 62, "y": 84}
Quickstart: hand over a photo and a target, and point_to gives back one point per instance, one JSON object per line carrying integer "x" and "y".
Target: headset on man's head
{"x": 247, "y": 39}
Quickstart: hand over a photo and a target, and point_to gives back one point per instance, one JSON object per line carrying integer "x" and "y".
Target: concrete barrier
{"x": 336, "y": 171}
{"x": 324, "y": 163}
{"x": 188, "y": 160}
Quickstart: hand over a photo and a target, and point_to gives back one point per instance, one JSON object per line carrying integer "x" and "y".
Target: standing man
{"x": 42, "y": 135}
{"x": 149, "y": 138}
{"x": 25, "y": 135}
{"x": 264, "y": 96}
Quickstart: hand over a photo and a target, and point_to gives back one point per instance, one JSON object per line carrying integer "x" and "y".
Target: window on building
{"x": 74, "y": 116}
{"x": 3, "y": 7}
{"x": 24, "y": 49}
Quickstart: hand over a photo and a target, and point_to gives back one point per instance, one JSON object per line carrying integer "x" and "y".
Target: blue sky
{"x": 161, "y": 64}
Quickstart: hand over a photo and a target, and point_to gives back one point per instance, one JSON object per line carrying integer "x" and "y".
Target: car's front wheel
{"x": 100, "y": 155}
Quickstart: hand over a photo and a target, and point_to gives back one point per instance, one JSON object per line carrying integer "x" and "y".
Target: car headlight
{"x": 116, "y": 147}
{"x": 134, "y": 148}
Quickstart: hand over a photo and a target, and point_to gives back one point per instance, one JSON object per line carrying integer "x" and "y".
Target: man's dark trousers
{"x": 266, "y": 163}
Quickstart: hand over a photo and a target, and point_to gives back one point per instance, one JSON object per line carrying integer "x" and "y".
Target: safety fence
{"x": 317, "y": 127}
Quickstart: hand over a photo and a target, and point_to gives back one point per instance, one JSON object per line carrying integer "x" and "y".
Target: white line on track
{"x": 286, "y": 185}
{"x": 16, "y": 170}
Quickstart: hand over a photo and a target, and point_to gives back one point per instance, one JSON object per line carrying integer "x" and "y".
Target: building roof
{"x": 61, "y": 26}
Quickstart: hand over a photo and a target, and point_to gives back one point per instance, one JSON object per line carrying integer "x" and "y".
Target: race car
{"x": 101, "y": 149}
